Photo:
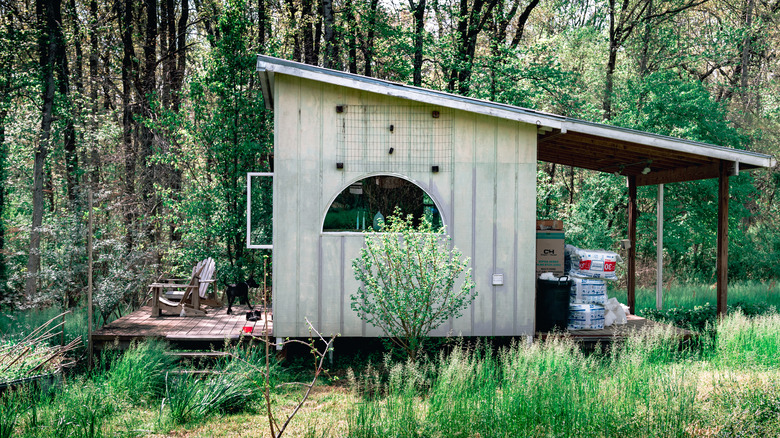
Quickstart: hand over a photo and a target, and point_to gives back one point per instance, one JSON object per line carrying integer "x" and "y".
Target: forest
{"x": 153, "y": 110}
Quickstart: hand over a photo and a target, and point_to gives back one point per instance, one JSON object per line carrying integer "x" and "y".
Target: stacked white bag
{"x": 589, "y": 308}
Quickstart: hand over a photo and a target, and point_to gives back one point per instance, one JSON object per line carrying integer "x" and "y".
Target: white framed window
{"x": 363, "y": 203}
{"x": 259, "y": 210}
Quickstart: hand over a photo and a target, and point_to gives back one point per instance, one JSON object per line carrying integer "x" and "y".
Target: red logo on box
{"x": 609, "y": 266}
{"x": 584, "y": 265}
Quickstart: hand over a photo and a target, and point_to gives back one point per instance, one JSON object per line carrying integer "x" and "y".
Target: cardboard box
{"x": 549, "y": 224}
{"x": 549, "y": 252}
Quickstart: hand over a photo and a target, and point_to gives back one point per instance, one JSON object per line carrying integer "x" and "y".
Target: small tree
{"x": 408, "y": 277}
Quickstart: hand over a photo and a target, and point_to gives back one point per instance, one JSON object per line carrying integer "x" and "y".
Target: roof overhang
{"x": 561, "y": 140}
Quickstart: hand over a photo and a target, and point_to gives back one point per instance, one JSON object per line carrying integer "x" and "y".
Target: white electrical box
{"x": 498, "y": 279}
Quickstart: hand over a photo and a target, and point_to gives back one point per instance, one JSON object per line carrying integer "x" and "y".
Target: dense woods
{"x": 154, "y": 107}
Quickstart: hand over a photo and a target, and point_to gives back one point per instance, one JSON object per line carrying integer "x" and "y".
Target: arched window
{"x": 362, "y": 204}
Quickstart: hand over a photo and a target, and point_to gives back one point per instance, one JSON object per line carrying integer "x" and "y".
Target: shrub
{"x": 408, "y": 280}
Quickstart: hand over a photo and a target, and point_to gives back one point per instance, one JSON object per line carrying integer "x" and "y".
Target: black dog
{"x": 240, "y": 291}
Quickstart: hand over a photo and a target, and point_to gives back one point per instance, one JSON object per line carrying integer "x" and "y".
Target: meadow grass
{"x": 650, "y": 385}
{"x": 688, "y": 296}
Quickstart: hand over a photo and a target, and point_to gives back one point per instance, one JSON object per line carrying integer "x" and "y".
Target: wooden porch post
{"x": 632, "y": 217}
{"x": 722, "y": 261}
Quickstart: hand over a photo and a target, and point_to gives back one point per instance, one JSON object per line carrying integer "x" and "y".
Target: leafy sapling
{"x": 409, "y": 281}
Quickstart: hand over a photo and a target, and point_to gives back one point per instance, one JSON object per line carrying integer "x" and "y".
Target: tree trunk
{"x": 93, "y": 93}
{"x": 264, "y": 23}
{"x": 147, "y": 90}
{"x": 129, "y": 69}
{"x": 49, "y": 14}
{"x": 307, "y": 29}
{"x": 331, "y": 58}
{"x": 368, "y": 47}
{"x": 418, "y": 11}
{"x": 69, "y": 135}
{"x": 611, "y": 63}
{"x": 292, "y": 13}
{"x": 644, "y": 56}
{"x": 745, "y": 58}
{"x": 167, "y": 35}
{"x": 3, "y": 159}
{"x": 351, "y": 36}
{"x": 179, "y": 41}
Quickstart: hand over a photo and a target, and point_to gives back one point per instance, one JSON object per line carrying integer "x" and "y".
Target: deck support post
{"x": 722, "y": 261}
{"x": 659, "y": 250}
{"x": 632, "y": 218}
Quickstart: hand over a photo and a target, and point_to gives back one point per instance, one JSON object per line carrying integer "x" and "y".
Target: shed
{"x": 474, "y": 161}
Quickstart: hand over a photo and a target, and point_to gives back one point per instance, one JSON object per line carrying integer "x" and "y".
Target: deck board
{"x": 216, "y": 326}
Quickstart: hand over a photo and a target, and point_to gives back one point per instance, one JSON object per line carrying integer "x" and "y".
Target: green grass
{"x": 17, "y": 324}
{"x": 648, "y": 386}
{"x": 727, "y": 384}
{"x": 689, "y": 296}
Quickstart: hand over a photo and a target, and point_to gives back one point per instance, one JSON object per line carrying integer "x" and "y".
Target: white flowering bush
{"x": 408, "y": 277}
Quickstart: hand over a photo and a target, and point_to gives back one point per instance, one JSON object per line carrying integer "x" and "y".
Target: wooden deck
{"x": 214, "y": 328}
{"x": 217, "y": 326}
{"x": 619, "y": 332}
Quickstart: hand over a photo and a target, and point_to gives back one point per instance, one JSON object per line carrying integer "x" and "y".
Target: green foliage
{"x": 408, "y": 278}
{"x": 81, "y": 409}
{"x": 745, "y": 342}
{"x": 11, "y": 408}
{"x": 545, "y": 389}
{"x": 227, "y": 134}
{"x": 139, "y": 374}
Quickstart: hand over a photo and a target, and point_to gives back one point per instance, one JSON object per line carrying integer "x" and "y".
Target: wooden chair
{"x": 185, "y": 299}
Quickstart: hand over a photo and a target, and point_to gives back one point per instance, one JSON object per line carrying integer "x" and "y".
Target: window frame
{"x": 249, "y": 176}
{"x": 435, "y": 201}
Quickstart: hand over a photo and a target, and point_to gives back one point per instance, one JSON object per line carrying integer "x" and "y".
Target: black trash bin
{"x": 552, "y": 304}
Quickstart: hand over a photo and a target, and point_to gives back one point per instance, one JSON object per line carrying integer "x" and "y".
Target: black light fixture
{"x": 339, "y": 109}
{"x": 392, "y": 128}
{"x": 391, "y": 151}
{"x": 434, "y": 169}
{"x": 339, "y": 165}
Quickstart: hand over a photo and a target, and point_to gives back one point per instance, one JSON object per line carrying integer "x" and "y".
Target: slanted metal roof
{"x": 560, "y": 140}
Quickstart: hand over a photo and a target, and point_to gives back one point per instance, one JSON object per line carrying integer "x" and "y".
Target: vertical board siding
{"x": 487, "y": 201}
{"x": 331, "y": 284}
{"x": 353, "y": 325}
{"x": 311, "y": 122}
{"x": 461, "y": 223}
{"x": 484, "y": 221}
{"x": 504, "y": 213}
{"x": 285, "y": 234}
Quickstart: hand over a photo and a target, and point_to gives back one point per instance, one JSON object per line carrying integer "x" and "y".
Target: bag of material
{"x": 614, "y": 313}
{"x": 588, "y": 291}
{"x": 591, "y": 263}
{"x": 586, "y": 317}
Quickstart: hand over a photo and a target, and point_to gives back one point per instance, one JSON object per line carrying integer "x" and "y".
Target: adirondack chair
{"x": 185, "y": 299}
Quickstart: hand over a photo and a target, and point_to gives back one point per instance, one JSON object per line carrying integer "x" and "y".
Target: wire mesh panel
{"x": 395, "y": 138}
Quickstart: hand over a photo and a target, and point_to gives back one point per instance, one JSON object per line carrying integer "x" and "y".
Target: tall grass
{"x": 546, "y": 389}
{"x": 649, "y": 385}
{"x": 139, "y": 374}
{"x": 752, "y": 343}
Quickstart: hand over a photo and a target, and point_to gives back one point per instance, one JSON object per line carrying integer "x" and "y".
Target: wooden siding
{"x": 487, "y": 200}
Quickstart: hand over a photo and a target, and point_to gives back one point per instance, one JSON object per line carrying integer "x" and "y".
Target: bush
{"x": 408, "y": 280}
